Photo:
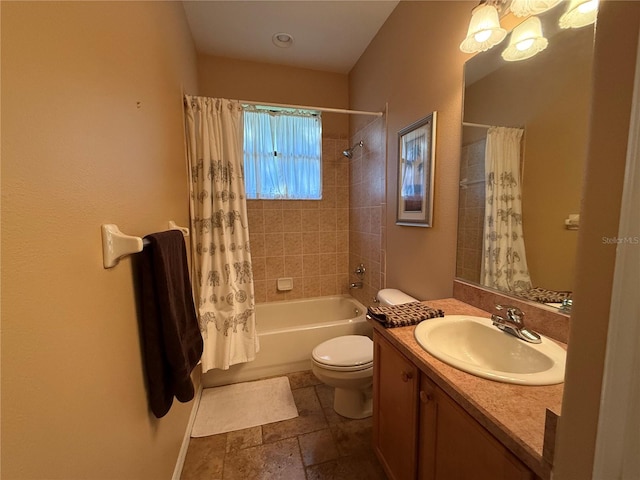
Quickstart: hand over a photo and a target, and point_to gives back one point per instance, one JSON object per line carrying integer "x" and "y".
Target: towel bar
{"x": 116, "y": 244}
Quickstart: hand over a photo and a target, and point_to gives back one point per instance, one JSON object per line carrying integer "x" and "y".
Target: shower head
{"x": 349, "y": 151}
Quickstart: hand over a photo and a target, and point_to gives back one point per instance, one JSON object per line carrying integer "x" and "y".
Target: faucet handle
{"x": 513, "y": 313}
{"x": 566, "y": 305}
{"x": 514, "y": 324}
{"x": 509, "y": 309}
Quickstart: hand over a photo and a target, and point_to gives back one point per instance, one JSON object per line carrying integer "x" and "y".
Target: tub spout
{"x": 355, "y": 285}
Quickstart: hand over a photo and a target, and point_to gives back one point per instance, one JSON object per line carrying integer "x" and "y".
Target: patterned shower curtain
{"x": 222, "y": 274}
{"x": 504, "y": 264}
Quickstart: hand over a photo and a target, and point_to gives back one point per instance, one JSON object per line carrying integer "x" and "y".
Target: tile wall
{"x": 367, "y": 209}
{"x": 307, "y": 240}
{"x": 471, "y": 212}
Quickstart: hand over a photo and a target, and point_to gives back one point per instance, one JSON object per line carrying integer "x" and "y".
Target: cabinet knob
{"x": 406, "y": 376}
{"x": 425, "y": 397}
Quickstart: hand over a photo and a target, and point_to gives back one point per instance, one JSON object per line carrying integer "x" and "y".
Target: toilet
{"x": 346, "y": 363}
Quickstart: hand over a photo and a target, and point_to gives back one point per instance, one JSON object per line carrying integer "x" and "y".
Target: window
{"x": 282, "y": 154}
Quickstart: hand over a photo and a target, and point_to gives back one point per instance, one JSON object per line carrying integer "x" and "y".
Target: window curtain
{"x": 222, "y": 272}
{"x": 504, "y": 264}
{"x": 282, "y": 154}
{"x": 413, "y": 163}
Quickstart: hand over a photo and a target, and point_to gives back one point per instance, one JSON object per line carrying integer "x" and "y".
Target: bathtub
{"x": 289, "y": 331}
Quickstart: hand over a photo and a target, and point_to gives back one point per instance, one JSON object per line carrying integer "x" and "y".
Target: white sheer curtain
{"x": 283, "y": 152}
{"x": 222, "y": 272}
{"x": 504, "y": 264}
{"x": 413, "y": 163}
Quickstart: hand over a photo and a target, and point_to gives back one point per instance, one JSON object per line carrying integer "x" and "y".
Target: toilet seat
{"x": 348, "y": 353}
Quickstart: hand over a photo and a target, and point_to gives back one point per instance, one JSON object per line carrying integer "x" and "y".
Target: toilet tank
{"x": 392, "y": 296}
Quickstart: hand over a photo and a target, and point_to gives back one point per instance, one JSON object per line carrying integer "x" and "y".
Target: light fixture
{"x": 579, "y": 14}
{"x": 484, "y": 30}
{"x": 282, "y": 40}
{"x": 526, "y": 41}
{"x": 524, "y": 8}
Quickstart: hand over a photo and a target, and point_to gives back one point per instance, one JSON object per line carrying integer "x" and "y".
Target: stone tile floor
{"x": 319, "y": 444}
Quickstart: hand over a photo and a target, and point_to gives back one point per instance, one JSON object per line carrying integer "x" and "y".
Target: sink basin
{"x": 474, "y": 345}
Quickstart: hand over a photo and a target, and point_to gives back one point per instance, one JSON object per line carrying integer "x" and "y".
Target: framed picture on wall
{"x": 416, "y": 166}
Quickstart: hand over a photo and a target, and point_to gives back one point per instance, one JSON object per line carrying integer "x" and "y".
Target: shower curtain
{"x": 504, "y": 264}
{"x": 222, "y": 273}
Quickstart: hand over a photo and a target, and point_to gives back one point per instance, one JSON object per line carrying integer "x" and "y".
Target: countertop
{"x": 514, "y": 414}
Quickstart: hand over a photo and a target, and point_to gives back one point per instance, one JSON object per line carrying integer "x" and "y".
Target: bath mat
{"x": 243, "y": 405}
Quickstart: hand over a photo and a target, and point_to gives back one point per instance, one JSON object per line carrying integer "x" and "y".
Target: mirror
{"x": 547, "y": 97}
{"x": 416, "y": 163}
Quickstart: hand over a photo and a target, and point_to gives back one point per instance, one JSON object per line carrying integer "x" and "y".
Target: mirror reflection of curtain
{"x": 504, "y": 263}
{"x": 222, "y": 279}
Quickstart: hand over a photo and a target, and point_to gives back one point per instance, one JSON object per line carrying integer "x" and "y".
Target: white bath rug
{"x": 243, "y": 405}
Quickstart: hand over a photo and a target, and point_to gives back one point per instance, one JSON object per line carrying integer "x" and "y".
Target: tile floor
{"x": 319, "y": 444}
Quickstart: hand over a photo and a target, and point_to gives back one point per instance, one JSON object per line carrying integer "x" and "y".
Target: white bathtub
{"x": 289, "y": 331}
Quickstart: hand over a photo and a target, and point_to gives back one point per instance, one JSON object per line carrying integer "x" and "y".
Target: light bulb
{"x": 482, "y": 35}
{"x": 588, "y": 6}
{"x": 525, "y": 44}
{"x": 526, "y": 41}
{"x": 580, "y": 13}
{"x": 484, "y": 30}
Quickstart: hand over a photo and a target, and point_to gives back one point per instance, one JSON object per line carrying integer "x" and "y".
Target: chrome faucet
{"x": 514, "y": 324}
{"x": 567, "y": 303}
{"x": 359, "y": 271}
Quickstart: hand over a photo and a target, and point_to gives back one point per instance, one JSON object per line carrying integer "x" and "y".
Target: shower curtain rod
{"x": 479, "y": 125}
{"x": 321, "y": 109}
{"x": 482, "y": 125}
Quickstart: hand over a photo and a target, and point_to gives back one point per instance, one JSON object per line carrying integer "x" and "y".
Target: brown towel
{"x": 171, "y": 339}
{"x": 544, "y": 295}
{"x": 404, "y": 314}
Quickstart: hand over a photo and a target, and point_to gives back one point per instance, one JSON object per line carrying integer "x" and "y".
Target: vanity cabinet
{"x": 395, "y": 406}
{"x": 453, "y": 445}
{"x": 420, "y": 432}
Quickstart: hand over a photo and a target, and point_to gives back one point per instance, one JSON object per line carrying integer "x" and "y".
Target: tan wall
{"x": 264, "y": 82}
{"x": 77, "y": 151}
{"x": 306, "y": 240}
{"x": 614, "y": 65}
{"x": 415, "y": 65}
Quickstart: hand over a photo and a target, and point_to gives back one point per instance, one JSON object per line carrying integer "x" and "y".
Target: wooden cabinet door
{"x": 427, "y": 437}
{"x": 395, "y": 406}
{"x": 454, "y": 446}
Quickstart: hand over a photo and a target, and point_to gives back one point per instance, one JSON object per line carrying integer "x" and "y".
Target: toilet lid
{"x": 393, "y": 296}
{"x": 346, "y": 351}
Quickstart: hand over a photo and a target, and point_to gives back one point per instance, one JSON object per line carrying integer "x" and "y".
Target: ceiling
{"x": 328, "y": 35}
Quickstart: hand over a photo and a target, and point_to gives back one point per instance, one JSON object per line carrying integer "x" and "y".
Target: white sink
{"x": 474, "y": 345}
